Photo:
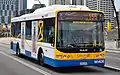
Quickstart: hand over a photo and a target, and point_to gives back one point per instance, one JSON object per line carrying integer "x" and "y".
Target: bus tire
{"x": 41, "y": 58}
{"x": 18, "y": 50}
{"x": 11, "y": 45}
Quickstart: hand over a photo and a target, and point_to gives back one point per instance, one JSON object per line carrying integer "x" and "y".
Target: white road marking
{"x": 112, "y": 67}
{"x": 113, "y": 51}
{"x": 26, "y": 64}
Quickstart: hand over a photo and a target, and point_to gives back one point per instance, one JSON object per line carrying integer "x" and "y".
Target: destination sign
{"x": 81, "y": 16}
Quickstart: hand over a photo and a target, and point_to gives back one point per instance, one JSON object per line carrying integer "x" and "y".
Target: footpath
{"x": 5, "y": 40}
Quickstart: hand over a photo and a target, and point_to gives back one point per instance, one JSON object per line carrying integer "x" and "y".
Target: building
{"x": 10, "y": 8}
{"x": 21, "y": 5}
{"x": 118, "y": 13}
{"x": 103, "y": 5}
{"x": 61, "y": 2}
{"x": 119, "y": 16}
{"x": 78, "y": 2}
{"x": 7, "y": 8}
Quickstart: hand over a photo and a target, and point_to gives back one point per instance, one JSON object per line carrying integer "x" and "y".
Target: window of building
{"x": 12, "y": 7}
{"x": 3, "y": 7}
{"x": 0, "y": 7}
{"x": 1, "y": 12}
{"x": 7, "y": 7}
{"x": 3, "y": 19}
{"x": 9, "y": 13}
{"x": 5, "y": 12}
{"x": 9, "y": 19}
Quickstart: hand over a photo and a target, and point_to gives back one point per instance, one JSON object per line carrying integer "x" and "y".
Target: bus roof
{"x": 48, "y": 12}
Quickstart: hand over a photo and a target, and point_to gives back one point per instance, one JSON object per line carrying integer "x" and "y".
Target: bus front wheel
{"x": 41, "y": 58}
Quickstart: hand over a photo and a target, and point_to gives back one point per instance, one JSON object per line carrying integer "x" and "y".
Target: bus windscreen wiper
{"x": 84, "y": 44}
{"x": 71, "y": 45}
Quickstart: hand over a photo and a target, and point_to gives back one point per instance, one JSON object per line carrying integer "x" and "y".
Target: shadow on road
{"x": 75, "y": 70}
{"x": 65, "y": 70}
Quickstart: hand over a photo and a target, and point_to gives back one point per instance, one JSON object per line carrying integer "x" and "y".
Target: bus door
{"x": 22, "y": 44}
{"x": 34, "y": 38}
{"x": 45, "y": 38}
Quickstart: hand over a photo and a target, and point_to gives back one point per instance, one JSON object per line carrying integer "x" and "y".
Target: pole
{"x": 55, "y": 2}
{"x": 117, "y": 22}
{"x": 39, "y": 1}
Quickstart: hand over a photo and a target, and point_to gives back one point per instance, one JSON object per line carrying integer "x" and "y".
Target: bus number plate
{"x": 83, "y": 63}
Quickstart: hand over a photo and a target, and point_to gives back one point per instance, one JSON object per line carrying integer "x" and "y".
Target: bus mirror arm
{"x": 19, "y": 35}
{"x": 51, "y": 41}
{"x": 52, "y": 44}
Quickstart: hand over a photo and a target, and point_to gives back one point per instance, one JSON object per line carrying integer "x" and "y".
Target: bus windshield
{"x": 79, "y": 34}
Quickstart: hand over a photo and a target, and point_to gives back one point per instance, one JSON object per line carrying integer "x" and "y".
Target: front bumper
{"x": 68, "y": 63}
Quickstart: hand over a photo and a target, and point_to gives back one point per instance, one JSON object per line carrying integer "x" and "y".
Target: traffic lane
{"x": 113, "y": 59}
{"x": 91, "y": 70}
{"x": 6, "y": 48}
{"x": 11, "y": 67}
{"x": 113, "y": 54}
{"x": 63, "y": 71}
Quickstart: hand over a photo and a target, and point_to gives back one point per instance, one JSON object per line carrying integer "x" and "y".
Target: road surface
{"x": 10, "y": 64}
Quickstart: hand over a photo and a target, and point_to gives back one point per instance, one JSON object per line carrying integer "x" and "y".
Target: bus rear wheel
{"x": 41, "y": 59}
{"x": 18, "y": 51}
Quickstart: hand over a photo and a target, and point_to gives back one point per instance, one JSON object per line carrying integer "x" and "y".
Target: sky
{"x": 117, "y": 3}
{"x": 31, "y": 2}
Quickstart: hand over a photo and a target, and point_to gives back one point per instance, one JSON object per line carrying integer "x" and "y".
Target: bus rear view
{"x": 79, "y": 39}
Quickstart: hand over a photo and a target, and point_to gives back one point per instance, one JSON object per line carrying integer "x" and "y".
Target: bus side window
{"x": 13, "y": 29}
{"x": 51, "y": 35}
{"x": 28, "y": 33}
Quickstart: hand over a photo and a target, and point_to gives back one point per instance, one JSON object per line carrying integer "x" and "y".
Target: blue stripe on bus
{"x": 64, "y": 63}
{"x": 28, "y": 53}
{"x": 67, "y": 63}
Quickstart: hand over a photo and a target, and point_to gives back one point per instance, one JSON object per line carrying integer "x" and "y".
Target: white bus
{"x": 60, "y": 36}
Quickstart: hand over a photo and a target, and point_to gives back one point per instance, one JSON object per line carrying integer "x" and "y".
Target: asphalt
{"x": 113, "y": 59}
{"x": 10, "y": 66}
